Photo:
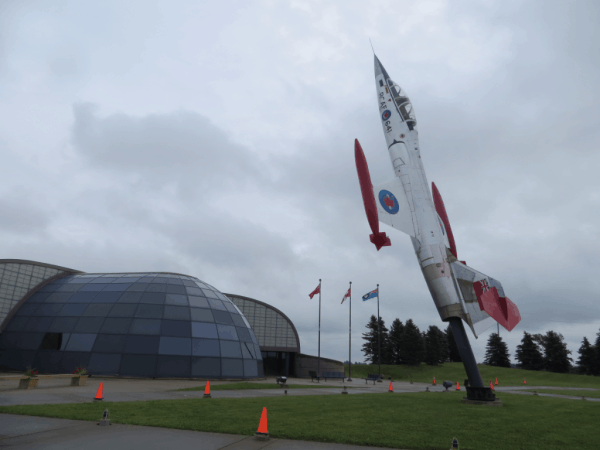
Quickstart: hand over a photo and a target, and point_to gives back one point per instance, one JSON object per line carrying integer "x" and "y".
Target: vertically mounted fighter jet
{"x": 406, "y": 204}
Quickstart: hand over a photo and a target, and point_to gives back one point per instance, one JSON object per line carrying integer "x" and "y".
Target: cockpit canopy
{"x": 403, "y": 104}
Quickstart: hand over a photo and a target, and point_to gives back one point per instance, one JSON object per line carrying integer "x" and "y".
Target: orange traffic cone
{"x": 433, "y": 381}
{"x": 99, "y": 393}
{"x": 391, "y": 390}
{"x": 207, "y": 390}
{"x": 262, "y": 433}
{"x": 524, "y": 381}
{"x": 491, "y": 386}
{"x": 496, "y": 381}
{"x": 457, "y": 386}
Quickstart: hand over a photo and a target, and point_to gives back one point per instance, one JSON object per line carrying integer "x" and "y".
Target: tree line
{"x": 406, "y": 344}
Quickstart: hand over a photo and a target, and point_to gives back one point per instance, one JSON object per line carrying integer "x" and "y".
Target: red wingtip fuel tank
{"x": 366, "y": 188}
{"x": 441, "y": 210}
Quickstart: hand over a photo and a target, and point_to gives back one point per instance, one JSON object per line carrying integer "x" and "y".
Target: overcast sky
{"x": 216, "y": 140}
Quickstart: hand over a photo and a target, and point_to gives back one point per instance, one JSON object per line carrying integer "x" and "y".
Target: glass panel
{"x": 237, "y": 320}
{"x": 230, "y": 349}
{"x": 38, "y": 297}
{"x": 39, "y": 324}
{"x": 139, "y": 365}
{"x": 48, "y": 361}
{"x": 176, "y": 299}
{"x": 130, "y": 297}
{"x": 149, "y": 311}
{"x": 17, "y": 323}
{"x": 63, "y": 325}
{"x": 176, "y": 289}
{"x": 246, "y": 351}
{"x": 88, "y": 325}
{"x": 68, "y": 288}
{"x": 81, "y": 342}
{"x": 204, "y": 330}
{"x": 72, "y": 360}
{"x": 250, "y": 368}
{"x": 173, "y": 366}
{"x": 110, "y": 343}
{"x": 177, "y": 312}
{"x": 198, "y": 302}
{"x": 194, "y": 291}
{"x": 154, "y": 298}
{"x": 227, "y": 332}
{"x": 93, "y": 286}
{"x": 30, "y": 341}
{"x": 206, "y": 367}
{"x": 209, "y": 293}
{"x": 189, "y": 283}
{"x": 230, "y": 307}
{"x": 96, "y": 309}
{"x": 58, "y": 298}
{"x": 175, "y": 346}
{"x": 223, "y": 317}
{"x": 104, "y": 363}
{"x": 180, "y": 328}
{"x": 72, "y": 309}
{"x": 116, "y": 326}
{"x": 202, "y": 315}
{"x": 156, "y": 288}
{"x": 26, "y": 310}
{"x": 216, "y": 304}
{"x": 232, "y": 368}
{"x": 82, "y": 297}
{"x": 122, "y": 310}
{"x": 139, "y": 287}
{"x": 205, "y": 347}
{"x": 244, "y": 334}
{"x": 107, "y": 297}
{"x": 104, "y": 279}
{"x": 142, "y": 344}
{"x": 116, "y": 287}
{"x": 145, "y": 326}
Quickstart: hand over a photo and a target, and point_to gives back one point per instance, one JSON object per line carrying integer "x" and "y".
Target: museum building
{"x": 152, "y": 324}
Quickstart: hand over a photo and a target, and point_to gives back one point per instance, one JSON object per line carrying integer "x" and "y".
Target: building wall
{"x": 305, "y": 363}
{"x": 17, "y": 277}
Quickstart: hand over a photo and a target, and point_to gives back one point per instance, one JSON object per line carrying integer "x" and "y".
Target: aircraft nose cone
{"x": 377, "y": 66}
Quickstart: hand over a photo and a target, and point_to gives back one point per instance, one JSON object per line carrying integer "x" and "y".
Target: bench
{"x": 312, "y": 374}
{"x": 341, "y": 375}
{"x": 372, "y": 377}
{"x": 30, "y": 382}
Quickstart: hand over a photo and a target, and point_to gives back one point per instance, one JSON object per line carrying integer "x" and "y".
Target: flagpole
{"x": 378, "y": 331}
{"x": 350, "y": 337}
{"x": 319, "y": 357}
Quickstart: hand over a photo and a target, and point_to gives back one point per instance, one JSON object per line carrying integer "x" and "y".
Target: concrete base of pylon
{"x": 496, "y": 402}
{"x": 206, "y": 396}
{"x": 261, "y": 436}
{"x": 98, "y": 399}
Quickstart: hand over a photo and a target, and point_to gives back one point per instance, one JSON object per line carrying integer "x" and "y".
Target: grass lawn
{"x": 416, "y": 421}
{"x": 456, "y": 372}
{"x": 590, "y": 394}
{"x": 249, "y": 385}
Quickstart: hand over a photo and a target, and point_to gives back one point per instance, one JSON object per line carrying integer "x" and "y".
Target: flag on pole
{"x": 347, "y": 295}
{"x": 315, "y": 292}
{"x": 370, "y": 295}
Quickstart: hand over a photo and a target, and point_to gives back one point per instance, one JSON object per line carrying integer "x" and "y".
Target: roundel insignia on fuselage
{"x": 386, "y": 114}
{"x": 388, "y": 202}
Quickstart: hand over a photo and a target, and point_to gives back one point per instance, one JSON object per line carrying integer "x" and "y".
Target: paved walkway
{"x": 33, "y": 433}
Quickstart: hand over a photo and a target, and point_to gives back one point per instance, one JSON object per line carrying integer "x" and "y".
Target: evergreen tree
{"x": 371, "y": 347}
{"x": 412, "y": 344}
{"x": 529, "y": 354}
{"x": 556, "y": 355}
{"x": 496, "y": 353}
{"x": 395, "y": 340}
{"x": 435, "y": 346}
{"x": 596, "y": 360}
{"x": 453, "y": 353}
{"x": 587, "y": 355}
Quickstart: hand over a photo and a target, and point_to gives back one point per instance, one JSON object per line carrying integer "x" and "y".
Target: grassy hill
{"x": 455, "y": 372}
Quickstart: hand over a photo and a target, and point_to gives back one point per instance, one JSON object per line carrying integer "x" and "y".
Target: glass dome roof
{"x": 143, "y": 324}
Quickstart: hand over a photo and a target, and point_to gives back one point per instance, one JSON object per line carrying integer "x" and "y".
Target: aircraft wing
{"x": 484, "y": 299}
{"x": 392, "y": 206}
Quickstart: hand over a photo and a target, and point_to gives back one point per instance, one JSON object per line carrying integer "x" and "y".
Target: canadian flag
{"x": 346, "y": 296}
{"x": 315, "y": 292}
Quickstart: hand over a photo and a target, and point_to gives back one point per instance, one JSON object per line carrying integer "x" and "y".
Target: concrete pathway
{"x": 33, "y": 433}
